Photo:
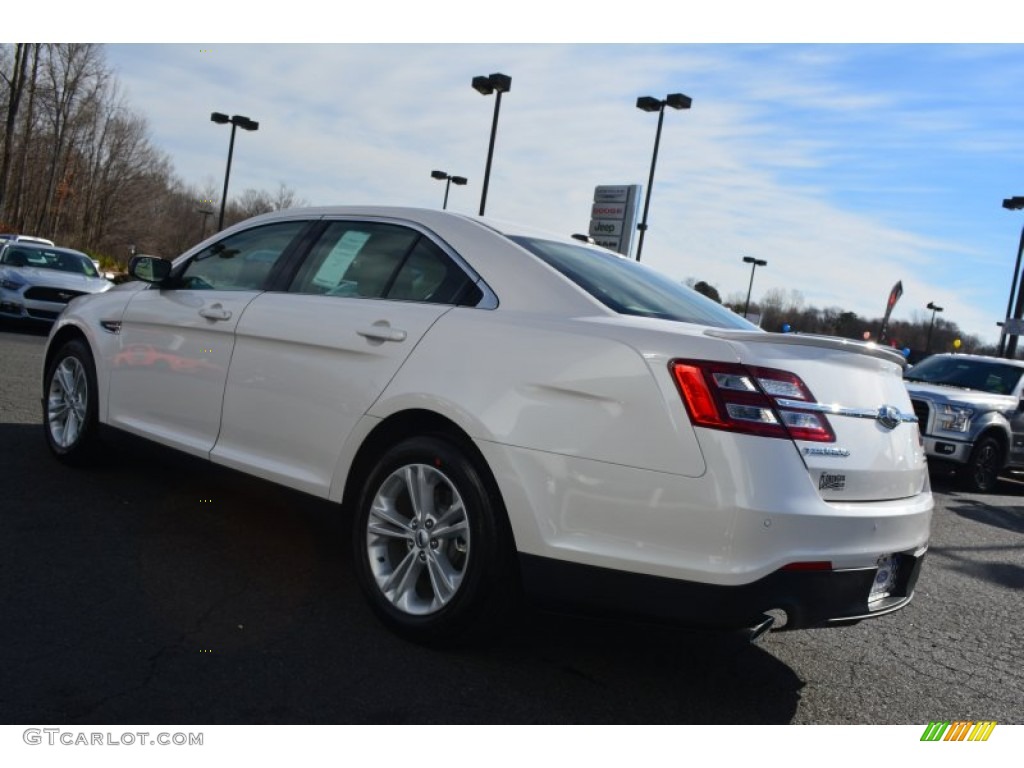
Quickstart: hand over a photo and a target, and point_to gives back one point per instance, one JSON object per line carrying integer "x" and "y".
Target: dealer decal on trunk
{"x": 831, "y": 482}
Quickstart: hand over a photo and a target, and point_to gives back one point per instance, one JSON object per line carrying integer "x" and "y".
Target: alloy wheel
{"x": 67, "y": 402}
{"x": 417, "y": 539}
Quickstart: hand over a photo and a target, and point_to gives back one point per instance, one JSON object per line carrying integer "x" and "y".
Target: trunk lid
{"x": 858, "y": 388}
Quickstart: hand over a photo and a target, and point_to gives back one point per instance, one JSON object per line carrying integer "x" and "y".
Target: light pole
{"x": 448, "y": 180}
{"x": 206, "y": 213}
{"x": 237, "y": 121}
{"x": 499, "y": 84}
{"x": 651, "y": 104}
{"x": 934, "y": 308}
{"x": 754, "y": 264}
{"x": 1012, "y": 204}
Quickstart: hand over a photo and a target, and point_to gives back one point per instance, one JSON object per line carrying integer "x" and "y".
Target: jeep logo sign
{"x": 613, "y": 216}
{"x": 605, "y": 227}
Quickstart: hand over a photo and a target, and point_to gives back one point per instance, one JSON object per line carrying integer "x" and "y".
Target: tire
{"x": 70, "y": 404}
{"x": 984, "y": 466}
{"x": 431, "y": 545}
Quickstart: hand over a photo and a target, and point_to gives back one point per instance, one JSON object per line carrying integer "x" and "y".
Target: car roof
{"x": 31, "y": 246}
{"x": 421, "y": 215}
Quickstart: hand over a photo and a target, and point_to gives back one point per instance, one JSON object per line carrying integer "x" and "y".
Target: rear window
{"x": 629, "y": 288}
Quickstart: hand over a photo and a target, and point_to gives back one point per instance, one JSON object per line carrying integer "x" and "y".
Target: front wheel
{"x": 431, "y": 548}
{"x": 70, "y": 404}
{"x": 984, "y": 466}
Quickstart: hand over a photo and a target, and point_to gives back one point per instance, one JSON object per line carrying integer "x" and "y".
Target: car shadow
{"x": 23, "y": 328}
{"x": 156, "y": 587}
{"x": 969, "y": 560}
{"x": 949, "y": 481}
{"x": 1007, "y": 518}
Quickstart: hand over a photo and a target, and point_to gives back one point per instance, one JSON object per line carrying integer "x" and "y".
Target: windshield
{"x": 983, "y": 375}
{"x": 629, "y": 288}
{"x": 47, "y": 258}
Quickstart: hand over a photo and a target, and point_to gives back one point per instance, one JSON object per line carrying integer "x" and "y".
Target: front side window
{"x": 630, "y": 289}
{"x": 381, "y": 261}
{"x": 240, "y": 262}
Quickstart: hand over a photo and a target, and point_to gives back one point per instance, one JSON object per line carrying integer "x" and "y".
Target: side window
{"x": 369, "y": 260}
{"x": 355, "y": 259}
{"x": 429, "y": 275}
{"x": 242, "y": 261}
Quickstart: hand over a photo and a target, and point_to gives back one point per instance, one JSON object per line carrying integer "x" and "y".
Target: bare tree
{"x": 15, "y": 87}
{"x": 253, "y": 202}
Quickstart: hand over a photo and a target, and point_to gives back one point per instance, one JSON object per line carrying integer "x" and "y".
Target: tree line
{"x": 781, "y": 309}
{"x": 77, "y": 164}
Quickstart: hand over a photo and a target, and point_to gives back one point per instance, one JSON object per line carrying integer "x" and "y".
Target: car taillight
{"x": 742, "y": 398}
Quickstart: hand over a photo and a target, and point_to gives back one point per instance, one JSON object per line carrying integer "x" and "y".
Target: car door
{"x": 310, "y": 360}
{"x": 176, "y": 340}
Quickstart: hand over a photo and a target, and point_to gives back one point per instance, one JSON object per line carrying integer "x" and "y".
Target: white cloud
{"x": 844, "y": 179}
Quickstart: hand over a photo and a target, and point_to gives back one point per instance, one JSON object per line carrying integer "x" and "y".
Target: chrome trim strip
{"x": 840, "y": 410}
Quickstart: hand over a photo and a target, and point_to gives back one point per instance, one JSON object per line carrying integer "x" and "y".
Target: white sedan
{"x": 503, "y": 410}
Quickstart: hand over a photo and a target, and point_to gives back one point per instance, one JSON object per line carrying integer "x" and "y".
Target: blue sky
{"x": 846, "y": 166}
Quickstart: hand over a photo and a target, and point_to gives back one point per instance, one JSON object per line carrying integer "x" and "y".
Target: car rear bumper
{"x": 808, "y": 598}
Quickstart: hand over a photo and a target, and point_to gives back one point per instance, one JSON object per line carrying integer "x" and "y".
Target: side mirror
{"x": 149, "y": 269}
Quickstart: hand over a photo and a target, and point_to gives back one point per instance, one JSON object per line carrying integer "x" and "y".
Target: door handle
{"x": 215, "y": 312}
{"x": 382, "y": 331}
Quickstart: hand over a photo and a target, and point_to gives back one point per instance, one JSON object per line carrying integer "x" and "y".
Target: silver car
{"x": 37, "y": 281}
{"x": 970, "y": 412}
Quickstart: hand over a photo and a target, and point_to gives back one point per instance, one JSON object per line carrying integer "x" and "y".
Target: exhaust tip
{"x": 757, "y": 631}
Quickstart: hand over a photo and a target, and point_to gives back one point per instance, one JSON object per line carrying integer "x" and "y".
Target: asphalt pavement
{"x": 158, "y": 588}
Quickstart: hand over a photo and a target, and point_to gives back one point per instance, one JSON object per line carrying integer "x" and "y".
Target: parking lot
{"x": 160, "y": 589}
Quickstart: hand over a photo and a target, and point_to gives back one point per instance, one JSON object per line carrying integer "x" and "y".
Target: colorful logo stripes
{"x": 958, "y": 730}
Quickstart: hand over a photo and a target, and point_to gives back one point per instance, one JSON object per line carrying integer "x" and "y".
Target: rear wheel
{"x": 984, "y": 466}
{"x": 70, "y": 405}
{"x": 431, "y": 548}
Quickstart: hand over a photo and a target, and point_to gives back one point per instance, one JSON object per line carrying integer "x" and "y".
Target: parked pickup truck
{"x": 971, "y": 414}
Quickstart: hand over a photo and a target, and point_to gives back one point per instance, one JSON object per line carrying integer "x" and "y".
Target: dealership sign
{"x": 613, "y": 216}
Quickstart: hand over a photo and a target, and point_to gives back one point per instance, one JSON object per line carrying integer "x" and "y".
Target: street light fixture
{"x": 449, "y": 180}
{"x": 237, "y": 121}
{"x": 651, "y": 104}
{"x": 1013, "y": 204}
{"x": 934, "y": 308}
{"x": 206, "y": 213}
{"x": 754, "y": 264}
{"x": 485, "y": 86}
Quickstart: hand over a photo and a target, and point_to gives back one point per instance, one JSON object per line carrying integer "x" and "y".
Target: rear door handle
{"x": 215, "y": 312}
{"x": 382, "y": 331}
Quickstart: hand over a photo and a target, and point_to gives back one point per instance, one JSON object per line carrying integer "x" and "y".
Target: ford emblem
{"x": 888, "y": 417}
